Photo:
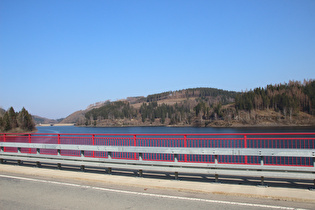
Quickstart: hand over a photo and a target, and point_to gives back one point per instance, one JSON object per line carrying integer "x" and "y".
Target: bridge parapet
{"x": 265, "y": 155}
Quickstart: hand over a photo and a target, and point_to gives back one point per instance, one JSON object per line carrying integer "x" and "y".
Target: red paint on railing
{"x": 185, "y": 145}
{"x": 227, "y": 140}
{"x": 245, "y": 146}
{"x": 93, "y": 143}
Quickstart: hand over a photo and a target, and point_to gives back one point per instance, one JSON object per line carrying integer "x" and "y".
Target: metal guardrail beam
{"x": 12, "y": 155}
{"x": 177, "y": 168}
{"x": 171, "y": 150}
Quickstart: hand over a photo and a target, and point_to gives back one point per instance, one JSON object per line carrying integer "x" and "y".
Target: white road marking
{"x": 147, "y": 194}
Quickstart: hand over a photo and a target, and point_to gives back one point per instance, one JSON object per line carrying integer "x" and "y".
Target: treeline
{"x": 16, "y": 121}
{"x": 209, "y": 92}
{"x": 203, "y": 93}
{"x": 159, "y": 96}
{"x": 289, "y": 98}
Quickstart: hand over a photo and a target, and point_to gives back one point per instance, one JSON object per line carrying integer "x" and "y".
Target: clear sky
{"x": 59, "y": 56}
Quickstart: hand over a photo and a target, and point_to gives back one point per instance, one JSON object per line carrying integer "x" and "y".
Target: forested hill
{"x": 275, "y": 105}
{"x": 167, "y": 108}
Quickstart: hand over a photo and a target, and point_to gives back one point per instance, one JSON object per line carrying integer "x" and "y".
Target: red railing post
{"x": 245, "y": 146}
{"x": 29, "y": 141}
{"x": 185, "y": 145}
{"x": 4, "y": 140}
{"x": 93, "y": 142}
{"x": 58, "y": 138}
{"x": 135, "y": 144}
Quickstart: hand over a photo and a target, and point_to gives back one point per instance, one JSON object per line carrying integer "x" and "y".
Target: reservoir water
{"x": 169, "y": 130}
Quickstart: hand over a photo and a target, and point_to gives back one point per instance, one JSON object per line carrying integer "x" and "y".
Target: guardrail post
{"x": 82, "y": 153}
{"x": 216, "y": 159}
{"x": 262, "y": 184}
{"x": 261, "y": 160}
{"x": 176, "y": 175}
{"x": 109, "y": 155}
{"x": 58, "y": 152}
{"x": 19, "y": 151}
{"x": 109, "y": 171}
{"x": 176, "y": 158}
{"x": 140, "y": 173}
{"x": 216, "y": 178}
{"x": 245, "y": 146}
{"x": 140, "y": 156}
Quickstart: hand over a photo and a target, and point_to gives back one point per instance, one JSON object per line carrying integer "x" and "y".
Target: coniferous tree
{"x": 6, "y": 122}
{"x": 25, "y": 120}
{"x": 12, "y": 118}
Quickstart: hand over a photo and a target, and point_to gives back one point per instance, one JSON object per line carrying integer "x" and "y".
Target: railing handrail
{"x": 161, "y": 134}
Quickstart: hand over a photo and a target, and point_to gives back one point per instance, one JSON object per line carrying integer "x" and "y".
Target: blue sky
{"x": 59, "y": 56}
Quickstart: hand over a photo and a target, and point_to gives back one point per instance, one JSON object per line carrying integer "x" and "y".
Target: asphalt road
{"x": 18, "y": 191}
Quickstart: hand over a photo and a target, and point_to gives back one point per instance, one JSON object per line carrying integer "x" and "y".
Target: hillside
{"x": 76, "y": 117}
{"x": 276, "y": 105}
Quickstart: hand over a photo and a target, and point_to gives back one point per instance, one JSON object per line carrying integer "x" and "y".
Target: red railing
{"x": 231, "y": 140}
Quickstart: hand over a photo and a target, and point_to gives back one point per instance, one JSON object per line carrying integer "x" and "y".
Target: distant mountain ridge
{"x": 43, "y": 120}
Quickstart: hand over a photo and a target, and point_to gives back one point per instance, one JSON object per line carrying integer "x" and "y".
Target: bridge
{"x": 274, "y": 155}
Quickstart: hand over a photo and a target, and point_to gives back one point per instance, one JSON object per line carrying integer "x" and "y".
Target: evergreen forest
{"x": 289, "y": 98}
{"x": 11, "y": 121}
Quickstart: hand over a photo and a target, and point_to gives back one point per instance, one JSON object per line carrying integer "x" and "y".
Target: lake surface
{"x": 169, "y": 130}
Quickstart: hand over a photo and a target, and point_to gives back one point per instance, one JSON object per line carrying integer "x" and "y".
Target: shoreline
{"x": 189, "y": 126}
{"x": 57, "y": 124}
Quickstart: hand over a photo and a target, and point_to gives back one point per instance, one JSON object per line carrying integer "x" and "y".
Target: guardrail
{"x": 289, "y": 155}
